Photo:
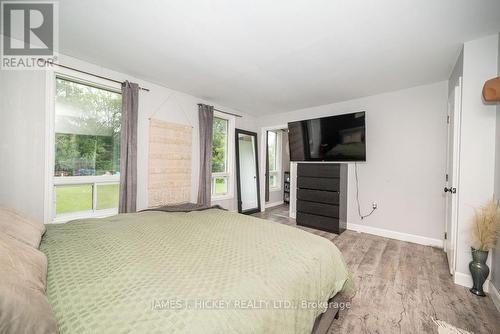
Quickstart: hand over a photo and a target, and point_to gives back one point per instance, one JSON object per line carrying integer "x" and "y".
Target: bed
{"x": 209, "y": 271}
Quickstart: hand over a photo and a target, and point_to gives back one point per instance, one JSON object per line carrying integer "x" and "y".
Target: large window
{"x": 222, "y": 157}
{"x": 274, "y": 159}
{"x": 87, "y": 149}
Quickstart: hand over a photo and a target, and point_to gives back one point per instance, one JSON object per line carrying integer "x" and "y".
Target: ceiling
{"x": 270, "y": 56}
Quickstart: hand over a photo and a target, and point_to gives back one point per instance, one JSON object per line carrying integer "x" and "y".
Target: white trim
{"x": 270, "y": 205}
{"x": 226, "y": 195}
{"x": 85, "y": 79}
{"x": 50, "y": 180}
{"x": 92, "y": 181}
{"x": 462, "y": 279}
{"x": 417, "y": 239}
{"x": 495, "y": 295}
{"x": 73, "y": 180}
{"x": 293, "y": 190}
{"x": 91, "y": 81}
{"x": 48, "y": 201}
{"x": 466, "y": 281}
{"x": 278, "y": 171}
{"x": 230, "y": 154}
{"x": 451, "y": 245}
{"x": 216, "y": 198}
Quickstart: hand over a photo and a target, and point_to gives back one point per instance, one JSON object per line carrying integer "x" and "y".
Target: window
{"x": 221, "y": 158}
{"x": 274, "y": 159}
{"x": 87, "y": 149}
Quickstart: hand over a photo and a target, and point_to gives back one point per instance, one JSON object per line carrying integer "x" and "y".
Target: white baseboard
{"x": 462, "y": 279}
{"x": 270, "y": 205}
{"x": 495, "y": 295}
{"x": 396, "y": 235}
{"x": 465, "y": 280}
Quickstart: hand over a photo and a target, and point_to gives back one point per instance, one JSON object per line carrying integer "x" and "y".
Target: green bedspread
{"x": 200, "y": 272}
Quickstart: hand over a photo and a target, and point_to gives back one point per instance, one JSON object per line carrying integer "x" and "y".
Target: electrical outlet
{"x": 374, "y": 205}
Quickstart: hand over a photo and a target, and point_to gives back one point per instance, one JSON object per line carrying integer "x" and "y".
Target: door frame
{"x": 238, "y": 186}
{"x": 452, "y": 234}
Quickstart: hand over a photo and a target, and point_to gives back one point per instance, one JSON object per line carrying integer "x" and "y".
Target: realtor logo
{"x": 29, "y": 34}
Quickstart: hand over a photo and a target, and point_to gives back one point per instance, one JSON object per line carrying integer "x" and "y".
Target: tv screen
{"x": 334, "y": 138}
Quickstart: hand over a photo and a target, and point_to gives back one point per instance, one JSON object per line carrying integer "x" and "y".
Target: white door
{"x": 452, "y": 172}
{"x": 248, "y": 172}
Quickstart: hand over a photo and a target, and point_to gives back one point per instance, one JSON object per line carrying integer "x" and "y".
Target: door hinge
{"x": 448, "y": 119}
{"x": 447, "y": 177}
{"x": 445, "y": 236}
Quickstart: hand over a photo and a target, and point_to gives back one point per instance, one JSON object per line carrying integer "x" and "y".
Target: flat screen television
{"x": 334, "y": 138}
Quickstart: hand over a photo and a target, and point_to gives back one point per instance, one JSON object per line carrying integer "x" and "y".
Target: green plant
{"x": 88, "y": 123}
{"x": 486, "y": 226}
{"x": 219, "y": 145}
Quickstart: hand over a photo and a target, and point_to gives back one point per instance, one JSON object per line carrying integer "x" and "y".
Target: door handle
{"x": 451, "y": 190}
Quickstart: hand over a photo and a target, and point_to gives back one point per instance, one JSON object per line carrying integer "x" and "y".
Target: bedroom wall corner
{"x": 406, "y": 159}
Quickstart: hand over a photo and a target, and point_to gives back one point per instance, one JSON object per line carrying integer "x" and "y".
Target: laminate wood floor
{"x": 400, "y": 286}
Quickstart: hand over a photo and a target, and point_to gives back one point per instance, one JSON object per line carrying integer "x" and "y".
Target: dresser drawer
{"x": 319, "y": 196}
{"x": 318, "y": 222}
{"x": 319, "y": 170}
{"x": 318, "y": 183}
{"x": 318, "y": 208}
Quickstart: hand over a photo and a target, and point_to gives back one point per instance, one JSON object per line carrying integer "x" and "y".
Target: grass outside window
{"x": 79, "y": 198}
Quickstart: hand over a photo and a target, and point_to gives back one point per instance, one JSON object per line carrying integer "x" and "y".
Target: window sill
{"x": 73, "y": 180}
{"x": 64, "y": 218}
{"x": 222, "y": 197}
{"x": 275, "y": 189}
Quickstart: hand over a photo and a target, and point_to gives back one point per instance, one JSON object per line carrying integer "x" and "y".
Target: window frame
{"x": 54, "y": 181}
{"x": 278, "y": 161}
{"x": 230, "y": 163}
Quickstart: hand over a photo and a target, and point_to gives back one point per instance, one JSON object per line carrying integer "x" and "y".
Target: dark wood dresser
{"x": 322, "y": 196}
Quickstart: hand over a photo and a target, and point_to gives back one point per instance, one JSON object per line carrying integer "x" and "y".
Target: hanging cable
{"x": 357, "y": 195}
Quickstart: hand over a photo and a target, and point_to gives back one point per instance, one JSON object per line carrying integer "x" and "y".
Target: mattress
{"x": 208, "y": 271}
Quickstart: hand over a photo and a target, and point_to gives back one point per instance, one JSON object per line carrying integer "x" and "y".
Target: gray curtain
{"x": 206, "y": 121}
{"x": 128, "y": 152}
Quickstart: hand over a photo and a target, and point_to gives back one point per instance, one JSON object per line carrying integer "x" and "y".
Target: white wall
{"x": 275, "y": 197}
{"x": 22, "y": 130}
{"x": 477, "y": 142}
{"x": 22, "y": 145}
{"x": 406, "y": 155}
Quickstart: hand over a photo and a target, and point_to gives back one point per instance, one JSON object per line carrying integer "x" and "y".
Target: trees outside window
{"x": 87, "y": 147}
{"x": 274, "y": 159}
{"x": 220, "y": 170}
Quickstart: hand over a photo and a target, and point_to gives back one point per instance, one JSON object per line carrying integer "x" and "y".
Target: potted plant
{"x": 485, "y": 230}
